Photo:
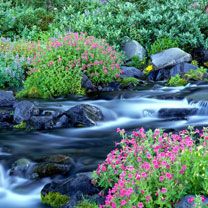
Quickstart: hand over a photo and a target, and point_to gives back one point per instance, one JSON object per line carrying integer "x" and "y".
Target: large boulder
{"x": 169, "y": 58}
{"x": 23, "y": 111}
{"x": 7, "y": 98}
{"x": 131, "y": 72}
{"x": 84, "y": 115}
{"x": 134, "y": 49}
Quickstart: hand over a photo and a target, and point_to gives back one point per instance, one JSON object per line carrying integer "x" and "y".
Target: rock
{"x": 23, "y": 111}
{"x": 184, "y": 203}
{"x": 60, "y": 159}
{"x": 201, "y": 55}
{"x": 41, "y": 122}
{"x": 51, "y": 169}
{"x": 170, "y": 57}
{"x": 84, "y": 115}
{"x": 75, "y": 187}
{"x": 152, "y": 75}
{"x": 22, "y": 168}
{"x": 133, "y": 49}
{"x": 62, "y": 122}
{"x": 87, "y": 83}
{"x": 131, "y": 72}
{"x": 176, "y": 113}
{"x": 6, "y": 115}
{"x": 7, "y": 98}
{"x": 182, "y": 69}
{"x": 163, "y": 74}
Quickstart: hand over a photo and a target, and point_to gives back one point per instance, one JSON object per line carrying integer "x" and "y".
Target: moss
{"x": 22, "y": 125}
{"x": 86, "y": 204}
{"x": 129, "y": 81}
{"x": 54, "y": 199}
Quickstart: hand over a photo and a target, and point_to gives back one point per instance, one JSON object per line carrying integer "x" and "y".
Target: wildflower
{"x": 163, "y": 190}
{"x": 123, "y": 202}
{"x": 190, "y": 200}
{"x": 140, "y": 205}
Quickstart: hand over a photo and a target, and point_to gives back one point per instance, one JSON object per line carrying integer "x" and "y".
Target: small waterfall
{"x": 3, "y": 178}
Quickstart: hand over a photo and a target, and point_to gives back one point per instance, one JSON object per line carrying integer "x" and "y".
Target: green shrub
{"x": 58, "y": 70}
{"x": 163, "y": 44}
{"x": 116, "y": 20}
{"x": 12, "y": 70}
{"x": 136, "y": 62}
{"x": 177, "y": 81}
{"x": 54, "y": 199}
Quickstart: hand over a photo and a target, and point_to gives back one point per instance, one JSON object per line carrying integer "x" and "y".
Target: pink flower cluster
{"x": 148, "y": 169}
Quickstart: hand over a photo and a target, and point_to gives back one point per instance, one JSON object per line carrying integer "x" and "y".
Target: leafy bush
{"x": 59, "y": 69}
{"x": 163, "y": 44}
{"x": 12, "y": 70}
{"x": 155, "y": 169}
{"x": 54, "y": 199}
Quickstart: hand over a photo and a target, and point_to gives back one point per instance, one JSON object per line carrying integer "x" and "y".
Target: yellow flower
{"x": 148, "y": 69}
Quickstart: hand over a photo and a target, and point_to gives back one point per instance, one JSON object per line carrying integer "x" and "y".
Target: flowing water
{"x": 89, "y": 146}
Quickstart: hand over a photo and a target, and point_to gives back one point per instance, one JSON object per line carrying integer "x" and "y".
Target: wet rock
{"x": 176, "y": 113}
{"x": 23, "y": 111}
{"x": 84, "y": 115}
{"x": 7, "y": 98}
{"x": 182, "y": 69}
{"x": 6, "y": 125}
{"x": 87, "y": 83}
{"x": 6, "y": 115}
{"x": 41, "y": 122}
{"x": 131, "y": 72}
{"x": 22, "y": 168}
{"x": 75, "y": 187}
{"x": 60, "y": 159}
{"x": 163, "y": 74}
{"x": 185, "y": 203}
{"x": 51, "y": 169}
{"x": 152, "y": 76}
{"x": 62, "y": 122}
{"x": 170, "y": 57}
{"x": 133, "y": 49}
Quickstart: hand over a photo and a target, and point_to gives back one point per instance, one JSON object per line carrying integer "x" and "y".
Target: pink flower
{"x": 169, "y": 176}
{"x": 148, "y": 198}
{"x": 103, "y": 168}
{"x": 143, "y": 174}
{"x": 140, "y": 205}
{"x": 190, "y": 200}
{"x": 162, "y": 178}
{"x": 123, "y": 202}
{"x": 163, "y": 190}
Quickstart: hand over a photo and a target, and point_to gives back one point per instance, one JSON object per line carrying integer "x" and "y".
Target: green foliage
{"x": 136, "y": 62}
{"x": 180, "y": 80}
{"x": 197, "y": 74}
{"x": 22, "y": 125}
{"x": 12, "y": 70}
{"x": 86, "y": 204}
{"x": 177, "y": 81}
{"x": 58, "y": 70}
{"x": 125, "y": 82}
{"x": 54, "y": 199}
{"x": 163, "y": 44}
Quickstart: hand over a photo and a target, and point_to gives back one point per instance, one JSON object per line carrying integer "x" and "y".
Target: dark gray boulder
{"x": 170, "y": 57}
{"x": 131, "y": 72}
{"x": 87, "y": 83}
{"x": 7, "y": 98}
{"x": 23, "y": 111}
{"x": 134, "y": 49}
{"x": 6, "y": 115}
{"x": 84, "y": 115}
{"x": 62, "y": 122}
{"x": 41, "y": 122}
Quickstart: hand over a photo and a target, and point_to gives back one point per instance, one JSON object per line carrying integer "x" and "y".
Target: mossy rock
{"x": 125, "y": 82}
{"x": 21, "y": 125}
{"x": 86, "y": 204}
{"x": 54, "y": 199}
